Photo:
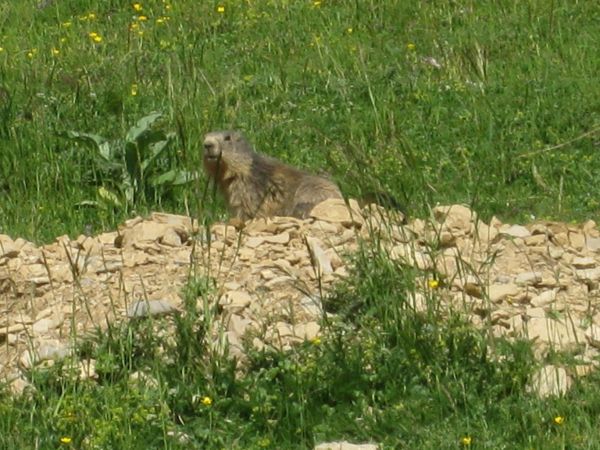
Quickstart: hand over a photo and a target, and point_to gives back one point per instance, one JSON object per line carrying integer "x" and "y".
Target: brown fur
{"x": 256, "y": 185}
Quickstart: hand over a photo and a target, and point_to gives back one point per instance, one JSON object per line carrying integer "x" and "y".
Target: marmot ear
{"x": 227, "y": 137}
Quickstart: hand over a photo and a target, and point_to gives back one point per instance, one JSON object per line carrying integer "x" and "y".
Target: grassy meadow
{"x": 495, "y": 104}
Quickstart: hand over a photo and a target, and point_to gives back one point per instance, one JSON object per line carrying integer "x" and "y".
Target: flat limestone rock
{"x": 550, "y": 381}
{"x": 500, "y": 292}
{"x": 335, "y": 210}
{"x": 456, "y": 218}
{"x": 516, "y": 231}
{"x": 344, "y": 445}
{"x": 143, "y": 308}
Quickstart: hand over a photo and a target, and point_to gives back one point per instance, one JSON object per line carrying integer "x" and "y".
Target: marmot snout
{"x": 256, "y": 185}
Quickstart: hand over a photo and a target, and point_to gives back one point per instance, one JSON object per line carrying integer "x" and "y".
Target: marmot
{"x": 256, "y": 185}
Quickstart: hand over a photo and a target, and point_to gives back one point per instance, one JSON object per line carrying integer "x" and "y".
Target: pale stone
{"x": 144, "y": 380}
{"x": 324, "y": 227}
{"x": 577, "y": 240}
{"x": 592, "y": 334}
{"x": 592, "y": 243}
{"x": 583, "y": 262}
{"x": 19, "y": 386}
{"x": 267, "y": 274}
{"x": 516, "y": 231}
{"x": 42, "y": 326}
{"x": 344, "y": 445}
{"x": 320, "y": 259}
{"x": 171, "y": 238}
{"x": 500, "y": 292}
{"x": 312, "y": 306}
{"x": 550, "y": 381}
{"x": 235, "y": 300}
{"x": 407, "y": 254}
{"x": 8, "y": 249}
{"x": 562, "y": 336}
{"x": 281, "y": 238}
{"x": 456, "y": 218}
{"x": 87, "y": 369}
{"x": 307, "y": 331}
{"x": 556, "y": 252}
{"x": 583, "y": 370}
{"x": 176, "y": 221}
{"x": 528, "y": 278}
{"x": 283, "y": 329}
{"x": 535, "y": 240}
{"x": 256, "y": 241}
{"x": 588, "y": 275}
{"x": 238, "y": 324}
{"x": 544, "y": 298}
{"x": 52, "y": 350}
{"x": 486, "y": 233}
{"x": 141, "y": 232}
{"x": 234, "y": 345}
{"x": 147, "y": 308}
{"x": 335, "y": 210}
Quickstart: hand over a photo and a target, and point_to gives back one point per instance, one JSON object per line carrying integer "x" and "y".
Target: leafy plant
{"x": 131, "y": 170}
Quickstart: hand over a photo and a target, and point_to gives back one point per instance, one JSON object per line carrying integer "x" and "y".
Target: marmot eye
{"x": 227, "y": 137}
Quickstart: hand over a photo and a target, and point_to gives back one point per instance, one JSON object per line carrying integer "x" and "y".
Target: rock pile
{"x": 538, "y": 281}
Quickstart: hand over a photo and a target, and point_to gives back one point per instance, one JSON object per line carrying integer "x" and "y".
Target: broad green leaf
{"x": 142, "y": 126}
{"x": 175, "y": 178}
{"x": 109, "y": 197}
{"x": 155, "y": 150}
{"x": 100, "y": 144}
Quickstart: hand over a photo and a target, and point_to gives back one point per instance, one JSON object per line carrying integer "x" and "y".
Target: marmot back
{"x": 256, "y": 185}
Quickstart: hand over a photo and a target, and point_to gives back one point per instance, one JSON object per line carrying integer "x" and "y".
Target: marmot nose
{"x": 209, "y": 146}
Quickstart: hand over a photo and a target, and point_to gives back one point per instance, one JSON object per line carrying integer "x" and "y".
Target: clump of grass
{"x": 407, "y": 378}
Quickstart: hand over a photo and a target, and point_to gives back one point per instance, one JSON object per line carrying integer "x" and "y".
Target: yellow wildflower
{"x": 91, "y": 16}
{"x": 410, "y": 46}
{"x": 160, "y": 20}
{"x": 316, "y": 3}
{"x": 349, "y": 30}
{"x": 316, "y": 341}
{"x": 65, "y": 440}
{"x": 31, "y": 53}
{"x": 559, "y": 420}
{"x": 66, "y": 24}
{"x": 466, "y": 441}
{"x": 220, "y": 9}
{"x": 433, "y": 284}
{"x": 95, "y": 37}
{"x": 63, "y": 40}
{"x": 55, "y": 51}
{"x": 167, "y": 6}
{"x": 142, "y": 18}
{"x": 1, "y": 49}
{"x": 137, "y": 6}
{"x": 206, "y": 401}
{"x": 133, "y": 26}
{"x": 134, "y": 89}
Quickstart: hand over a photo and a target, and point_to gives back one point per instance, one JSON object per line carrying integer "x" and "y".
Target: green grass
{"x": 341, "y": 87}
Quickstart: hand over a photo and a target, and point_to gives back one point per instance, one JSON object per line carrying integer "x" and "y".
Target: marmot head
{"x": 219, "y": 143}
{"x": 226, "y": 154}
